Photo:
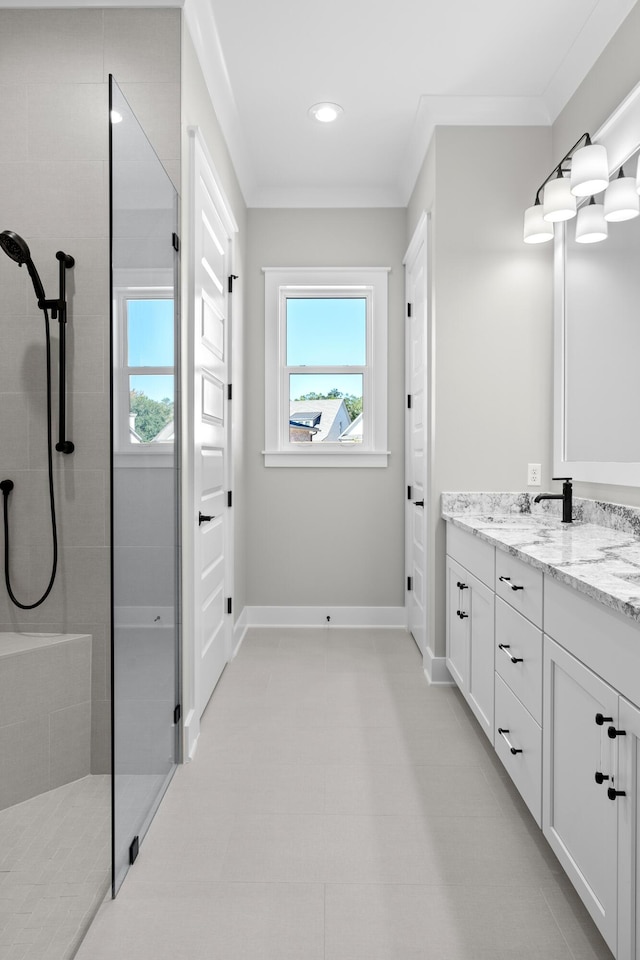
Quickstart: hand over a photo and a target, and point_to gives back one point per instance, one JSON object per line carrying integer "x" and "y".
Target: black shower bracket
{"x": 58, "y": 310}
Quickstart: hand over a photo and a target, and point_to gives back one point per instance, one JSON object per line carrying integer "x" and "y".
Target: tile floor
{"x": 55, "y": 868}
{"x": 339, "y": 808}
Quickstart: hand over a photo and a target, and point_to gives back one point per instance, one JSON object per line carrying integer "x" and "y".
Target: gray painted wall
{"x": 330, "y": 536}
{"x": 492, "y": 313}
{"x": 54, "y": 66}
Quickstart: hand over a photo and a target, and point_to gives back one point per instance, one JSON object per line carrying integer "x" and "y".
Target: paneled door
{"x": 417, "y": 504}
{"x": 211, "y": 297}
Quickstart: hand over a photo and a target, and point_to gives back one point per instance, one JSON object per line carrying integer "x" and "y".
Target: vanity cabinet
{"x": 470, "y": 623}
{"x": 579, "y": 820}
{"x": 566, "y": 706}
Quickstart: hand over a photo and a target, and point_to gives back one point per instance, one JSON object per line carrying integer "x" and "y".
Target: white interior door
{"x": 212, "y": 622}
{"x": 417, "y": 504}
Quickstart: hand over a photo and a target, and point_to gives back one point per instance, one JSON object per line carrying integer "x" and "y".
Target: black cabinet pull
{"x": 507, "y": 580}
{"x": 601, "y": 777}
{"x": 612, "y": 733}
{"x": 203, "y": 519}
{"x": 505, "y": 647}
{"x": 462, "y": 614}
{"x": 461, "y": 586}
{"x": 613, "y": 794}
{"x": 502, "y": 732}
{"x": 418, "y": 503}
{"x": 600, "y": 719}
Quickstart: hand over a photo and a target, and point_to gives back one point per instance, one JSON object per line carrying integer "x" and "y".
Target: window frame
{"x": 369, "y": 283}
{"x": 123, "y": 447}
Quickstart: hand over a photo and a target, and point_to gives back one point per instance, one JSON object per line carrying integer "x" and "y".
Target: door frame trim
{"x": 200, "y": 164}
{"x": 420, "y": 244}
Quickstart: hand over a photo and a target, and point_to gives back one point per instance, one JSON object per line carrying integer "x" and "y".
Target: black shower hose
{"x": 7, "y": 486}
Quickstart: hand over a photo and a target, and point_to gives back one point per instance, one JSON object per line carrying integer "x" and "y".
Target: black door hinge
{"x": 133, "y": 850}
{"x": 175, "y": 241}
{"x": 409, "y": 583}
{"x": 229, "y": 498}
{"x": 408, "y": 493}
{"x": 232, "y": 277}
{"x": 177, "y": 713}
{"x": 229, "y": 605}
{"x": 408, "y": 401}
{"x": 408, "y": 309}
{"x": 229, "y": 391}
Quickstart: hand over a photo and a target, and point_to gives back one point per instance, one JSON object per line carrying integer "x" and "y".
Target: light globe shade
{"x": 591, "y": 226}
{"x": 536, "y": 228}
{"x": 621, "y": 200}
{"x": 558, "y": 201}
{"x": 589, "y": 170}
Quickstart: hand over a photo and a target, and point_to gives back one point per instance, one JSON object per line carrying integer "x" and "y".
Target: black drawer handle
{"x": 600, "y": 719}
{"x": 203, "y": 519}
{"x": 507, "y": 580}
{"x": 612, "y": 733}
{"x": 601, "y": 777}
{"x": 505, "y": 649}
{"x": 614, "y": 794}
{"x": 462, "y": 614}
{"x": 461, "y": 586}
{"x": 503, "y": 733}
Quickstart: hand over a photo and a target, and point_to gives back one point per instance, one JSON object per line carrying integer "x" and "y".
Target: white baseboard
{"x": 239, "y": 632}
{"x": 317, "y": 616}
{"x": 435, "y": 669}
{"x": 191, "y": 734}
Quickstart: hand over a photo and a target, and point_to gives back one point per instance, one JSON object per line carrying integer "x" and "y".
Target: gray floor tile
{"x": 376, "y": 922}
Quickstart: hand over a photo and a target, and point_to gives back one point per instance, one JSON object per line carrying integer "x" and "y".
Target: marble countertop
{"x": 601, "y": 560}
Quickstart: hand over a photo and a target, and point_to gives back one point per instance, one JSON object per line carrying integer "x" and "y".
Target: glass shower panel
{"x": 145, "y": 544}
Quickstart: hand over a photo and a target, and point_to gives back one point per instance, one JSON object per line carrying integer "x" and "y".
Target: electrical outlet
{"x": 533, "y": 474}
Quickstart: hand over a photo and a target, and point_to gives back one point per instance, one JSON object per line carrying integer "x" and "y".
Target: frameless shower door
{"x": 145, "y": 543}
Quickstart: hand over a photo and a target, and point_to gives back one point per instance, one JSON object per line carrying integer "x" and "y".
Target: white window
{"x": 326, "y": 367}
{"x": 144, "y": 373}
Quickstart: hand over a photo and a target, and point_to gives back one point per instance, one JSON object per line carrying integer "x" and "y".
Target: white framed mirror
{"x": 597, "y": 333}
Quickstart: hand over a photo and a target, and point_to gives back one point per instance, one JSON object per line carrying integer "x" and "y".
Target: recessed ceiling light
{"x": 325, "y": 112}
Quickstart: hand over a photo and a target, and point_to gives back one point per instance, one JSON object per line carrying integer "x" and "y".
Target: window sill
{"x": 143, "y": 458}
{"x": 326, "y": 458}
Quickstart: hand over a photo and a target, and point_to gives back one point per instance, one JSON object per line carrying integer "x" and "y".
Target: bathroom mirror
{"x": 597, "y": 333}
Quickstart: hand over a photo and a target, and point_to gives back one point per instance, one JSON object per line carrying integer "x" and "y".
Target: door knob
{"x": 203, "y": 519}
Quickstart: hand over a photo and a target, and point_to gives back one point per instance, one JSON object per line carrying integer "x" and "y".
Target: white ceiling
{"x": 397, "y": 68}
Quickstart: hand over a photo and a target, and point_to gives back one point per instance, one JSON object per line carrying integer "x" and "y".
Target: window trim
{"x": 369, "y": 282}
{"x": 123, "y": 448}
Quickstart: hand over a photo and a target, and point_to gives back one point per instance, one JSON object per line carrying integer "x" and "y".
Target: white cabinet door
{"x": 579, "y": 820}
{"x": 470, "y": 630}
{"x": 628, "y": 833}
{"x": 457, "y": 626}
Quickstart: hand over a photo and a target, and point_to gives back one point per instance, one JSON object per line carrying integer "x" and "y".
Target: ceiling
{"x": 397, "y": 69}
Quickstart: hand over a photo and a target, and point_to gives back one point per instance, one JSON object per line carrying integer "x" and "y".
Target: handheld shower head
{"x": 16, "y": 248}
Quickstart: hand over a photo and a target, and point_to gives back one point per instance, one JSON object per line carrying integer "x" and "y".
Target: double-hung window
{"x": 144, "y": 374}
{"x": 326, "y": 367}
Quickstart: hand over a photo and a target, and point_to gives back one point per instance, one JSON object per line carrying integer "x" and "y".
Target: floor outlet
{"x": 533, "y": 475}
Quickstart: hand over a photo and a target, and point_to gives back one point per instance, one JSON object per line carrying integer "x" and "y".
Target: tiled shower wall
{"x": 54, "y": 68}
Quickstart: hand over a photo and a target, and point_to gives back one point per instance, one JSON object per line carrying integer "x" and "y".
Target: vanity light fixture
{"x": 583, "y": 171}
{"x": 591, "y": 226}
{"x": 325, "y": 112}
{"x": 559, "y": 203}
{"x": 621, "y": 200}
{"x": 536, "y": 228}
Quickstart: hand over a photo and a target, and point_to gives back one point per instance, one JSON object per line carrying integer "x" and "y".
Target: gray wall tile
{"x": 70, "y": 744}
{"x": 24, "y": 761}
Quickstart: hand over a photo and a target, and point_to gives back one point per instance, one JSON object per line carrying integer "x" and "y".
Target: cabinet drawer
{"x": 522, "y": 641}
{"x": 476, "y": 555}
{"x": 520, "y": 585}
{"x": 523, "y": 733}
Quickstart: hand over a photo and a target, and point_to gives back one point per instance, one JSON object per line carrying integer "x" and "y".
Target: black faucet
{"x": 566, "y": 496}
